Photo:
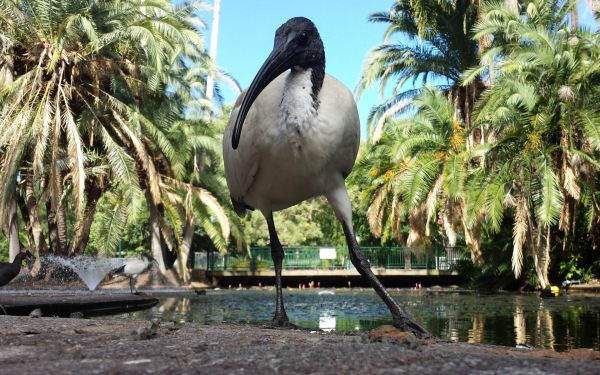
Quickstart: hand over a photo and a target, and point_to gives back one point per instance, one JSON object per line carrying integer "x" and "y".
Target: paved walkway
{"x": 80, "y": 346}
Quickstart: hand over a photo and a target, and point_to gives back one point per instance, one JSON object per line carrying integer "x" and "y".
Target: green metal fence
{"x": 329, "y": 258}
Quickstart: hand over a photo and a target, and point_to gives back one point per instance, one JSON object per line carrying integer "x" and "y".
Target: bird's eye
{"x": 303, "y": 38}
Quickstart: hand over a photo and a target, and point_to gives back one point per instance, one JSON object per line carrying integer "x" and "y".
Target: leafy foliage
{"x": 426, "y": 41}
{"x": 423, "y": 180}
{"x": 96, "y": 98}
{"x": 528, "y": 152}
{"x": 536, "y": 110}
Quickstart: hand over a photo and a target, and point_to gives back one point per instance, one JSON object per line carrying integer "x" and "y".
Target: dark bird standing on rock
{"x": 133, "y": 267}
{"x": 9, "y": 271}
{"x": 301, "y": 134}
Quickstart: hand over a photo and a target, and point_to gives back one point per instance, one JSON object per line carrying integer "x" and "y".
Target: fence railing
{"x": 329, "y": 258}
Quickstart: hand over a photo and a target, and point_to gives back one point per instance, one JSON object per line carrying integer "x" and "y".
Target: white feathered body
{"x": 134, "y": 267}
{"x": 289, "y": 150}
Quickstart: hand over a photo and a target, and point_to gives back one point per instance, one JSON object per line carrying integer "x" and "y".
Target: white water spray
{"x": 91, "y": 270}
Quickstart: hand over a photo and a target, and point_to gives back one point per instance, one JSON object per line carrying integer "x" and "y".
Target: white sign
{"x": 327, "y": 253}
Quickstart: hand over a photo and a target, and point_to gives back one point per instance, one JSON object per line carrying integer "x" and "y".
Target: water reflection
{"x": 560, "y": 323}
{"x": 327, "y": 323}
{"x": 477, "y": 329}
{"x": 519, "y": 323}
{"x": 544, "y": 335}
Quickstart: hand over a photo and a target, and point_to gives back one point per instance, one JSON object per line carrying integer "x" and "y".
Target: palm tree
{"x": 434, "y": 43}
{"x": 543, "y": 110}
{"x": 196, "y": 195}
{"x": 418, "y": 169}
{"x": 82, "y": 108}
{"x": 192, "y": 190}
{"x": 11, "y": 228}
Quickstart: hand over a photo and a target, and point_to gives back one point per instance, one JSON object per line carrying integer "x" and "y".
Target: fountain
{"x": 91, "y": 270}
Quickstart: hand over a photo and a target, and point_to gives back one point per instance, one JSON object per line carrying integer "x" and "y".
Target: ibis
{"x": 294, "y": 135}
{"x": 9, "y": 271}
{"x": 133, "y": 267}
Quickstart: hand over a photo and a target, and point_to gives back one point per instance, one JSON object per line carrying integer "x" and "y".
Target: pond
{"x": 561, "y": 323}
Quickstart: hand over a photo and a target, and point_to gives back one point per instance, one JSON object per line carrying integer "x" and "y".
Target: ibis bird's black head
{"x": 297, "y": 45}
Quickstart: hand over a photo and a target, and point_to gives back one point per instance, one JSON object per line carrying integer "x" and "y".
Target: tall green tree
{"x": 195, "y": 195}
{"x": 96, "y": 88}
{"x": 544, "y": 113}
{"x": 418, "y": 170}
{"x": 426, "y": 41}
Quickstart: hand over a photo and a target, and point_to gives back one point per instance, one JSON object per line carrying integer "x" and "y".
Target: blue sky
{"x": 247, "y": 29}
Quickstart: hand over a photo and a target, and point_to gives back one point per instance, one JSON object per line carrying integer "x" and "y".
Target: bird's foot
{"x": 406, "y": 324}
{"x": 281, "y": 322}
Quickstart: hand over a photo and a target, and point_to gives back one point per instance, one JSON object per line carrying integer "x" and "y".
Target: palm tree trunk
{"x": 82, "y": 235}
{"x": 512, "y": 5}
{"x": 545, "y": 258}
{"x": 156, "y": 244}
{"x": 472, "y": 239}
{"x": 52, "y": 229}
{"x": 14, "y": 246}
{"x": 536, "y": 254}
{"x": 184, "y": 249}
{"x": 467, "y": 117}
{"x": 541, "y": 258}
{"x": 492, "y": 73}
{"x": 31, "y": 216}
{"x": 61, "y": 226}
{"x": 575, "y": 16}
{"x": 57, "y": 224}
{"x": 12, "y": 230}
{"x": 538, "y": 267}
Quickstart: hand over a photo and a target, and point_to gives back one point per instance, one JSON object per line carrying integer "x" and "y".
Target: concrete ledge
{"x": 332, "y": 273}
{"x": 595, "y": 288}
{"x": 64, "y": 305}
{"x": 80, "y": 346}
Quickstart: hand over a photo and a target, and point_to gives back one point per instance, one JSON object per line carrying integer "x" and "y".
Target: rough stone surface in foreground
{"x": 79, "y": 346}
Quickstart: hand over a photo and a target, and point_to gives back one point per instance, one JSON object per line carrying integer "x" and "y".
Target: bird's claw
{"x": 281, "y": 323}
{"x": 405, "y": 324}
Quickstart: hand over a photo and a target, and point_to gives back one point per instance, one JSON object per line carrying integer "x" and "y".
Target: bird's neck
{"x": 17, "y": 261}
{"x": 300, "y": 101}
{"x": 317, "y": 77}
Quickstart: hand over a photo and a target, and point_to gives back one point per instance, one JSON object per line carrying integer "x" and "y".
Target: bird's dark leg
{"x": 400, "y": 318}
{"x": 131, "y": 284}
{"x": 280, "y": 319}
{"x": 341, "y": 204}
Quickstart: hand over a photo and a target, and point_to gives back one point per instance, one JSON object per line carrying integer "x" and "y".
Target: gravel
{"x": 76, "y": 346}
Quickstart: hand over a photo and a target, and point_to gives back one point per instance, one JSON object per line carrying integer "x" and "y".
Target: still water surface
{"x": 561, "y": 323}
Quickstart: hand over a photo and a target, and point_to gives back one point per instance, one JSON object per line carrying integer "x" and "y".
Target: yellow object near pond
{"x": 553, "y": 291}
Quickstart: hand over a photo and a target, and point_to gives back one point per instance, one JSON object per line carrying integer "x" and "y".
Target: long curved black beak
{"x": 278, "y": 62}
